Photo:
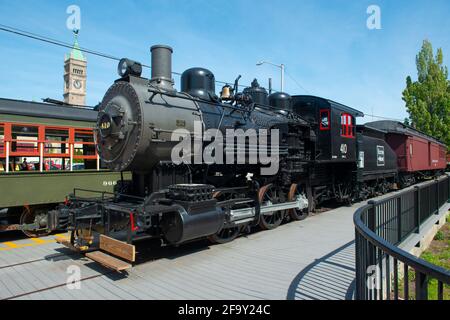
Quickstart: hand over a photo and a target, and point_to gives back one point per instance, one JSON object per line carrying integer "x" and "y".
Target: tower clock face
{"x": 77, "y": 84}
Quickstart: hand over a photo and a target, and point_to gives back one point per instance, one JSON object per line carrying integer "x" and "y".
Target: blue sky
{"x": 324, "y": 44}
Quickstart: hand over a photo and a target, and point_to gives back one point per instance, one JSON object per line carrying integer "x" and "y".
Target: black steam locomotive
{"x": 314, "y": 145}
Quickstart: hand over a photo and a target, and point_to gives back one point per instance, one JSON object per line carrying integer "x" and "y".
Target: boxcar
{"x": 418, "y": 155}
{"x": 46, "y": 150}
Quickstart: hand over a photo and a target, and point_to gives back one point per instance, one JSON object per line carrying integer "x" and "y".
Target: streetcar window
{"x": 57, "y": 141}
{"x": 347, "y": 126}
{"x": 84, "y": 136}
{"x": 83, "y": 150}
{"x": 84, "y": 143}
{"x": 52, "y": 164}
{"x": 324, "y": 120}
{"x": 2, "y": 140}
{"x": 24, "y": 140}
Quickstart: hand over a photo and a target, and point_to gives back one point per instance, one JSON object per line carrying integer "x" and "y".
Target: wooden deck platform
{"x": 263, "y": 265}
{"x": 311, "y": 259}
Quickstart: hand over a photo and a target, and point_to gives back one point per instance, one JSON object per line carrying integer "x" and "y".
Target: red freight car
{"x": 418, "y": 155}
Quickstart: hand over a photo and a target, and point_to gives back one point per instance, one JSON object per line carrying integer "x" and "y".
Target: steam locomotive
{"x": 286, "y": 155}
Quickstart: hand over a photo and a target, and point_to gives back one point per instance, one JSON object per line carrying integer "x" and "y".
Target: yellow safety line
{"x": 39, "y": 241}
{"x": 36, "y": 242}
{"x": 11, "y": 245}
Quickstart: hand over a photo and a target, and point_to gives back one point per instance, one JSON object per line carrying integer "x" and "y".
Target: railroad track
{"x": 57, "y": 284}
{"x": 56, "y": 255}
{"x": 148, "y": 253}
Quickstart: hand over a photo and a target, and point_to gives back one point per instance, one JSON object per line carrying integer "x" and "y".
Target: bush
{"x": 439, "y": 236}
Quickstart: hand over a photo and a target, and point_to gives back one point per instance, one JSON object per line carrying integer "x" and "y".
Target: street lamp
{"x": 281, "y": 66}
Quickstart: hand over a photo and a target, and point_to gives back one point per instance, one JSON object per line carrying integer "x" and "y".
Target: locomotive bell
{"x": 226, "y": 92}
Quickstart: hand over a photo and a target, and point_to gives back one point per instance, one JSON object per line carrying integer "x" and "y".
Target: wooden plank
{"x": 118, "y": 248}
{"x": 108, "y": 261}
{"x": 66, "y": 243}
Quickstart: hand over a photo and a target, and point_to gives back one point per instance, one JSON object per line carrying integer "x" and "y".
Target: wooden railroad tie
{"x": 110, "y": 250}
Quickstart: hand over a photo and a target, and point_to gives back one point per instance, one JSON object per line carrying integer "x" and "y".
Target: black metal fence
{"x": 383, "y": 271}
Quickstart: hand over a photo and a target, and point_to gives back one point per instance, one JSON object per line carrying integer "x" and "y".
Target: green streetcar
{"x": 46, "y": 151}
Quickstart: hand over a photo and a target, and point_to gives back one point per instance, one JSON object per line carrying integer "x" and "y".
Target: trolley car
{"x": 46, "y": 150}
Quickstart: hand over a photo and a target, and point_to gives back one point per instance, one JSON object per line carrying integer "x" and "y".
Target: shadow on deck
{"x": 331, "y": 277}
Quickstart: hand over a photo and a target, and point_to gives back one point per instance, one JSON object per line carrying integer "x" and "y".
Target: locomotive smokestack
{"x": 162, "y": 66}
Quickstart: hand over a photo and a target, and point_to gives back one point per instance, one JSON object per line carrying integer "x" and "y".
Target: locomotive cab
{"x": 335, "y": 127}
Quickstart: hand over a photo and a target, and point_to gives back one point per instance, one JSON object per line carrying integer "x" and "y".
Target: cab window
{"x": 347, "y": 126}
{"x": 324, "y": 120}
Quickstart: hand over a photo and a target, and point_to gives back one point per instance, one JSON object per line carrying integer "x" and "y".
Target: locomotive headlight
{"x": 129, "y": 67}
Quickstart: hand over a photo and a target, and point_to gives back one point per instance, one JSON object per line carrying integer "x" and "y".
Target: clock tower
{"x": 75, "y": 67}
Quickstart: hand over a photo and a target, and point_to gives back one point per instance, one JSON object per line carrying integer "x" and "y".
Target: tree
{"x": 428, "y": 99}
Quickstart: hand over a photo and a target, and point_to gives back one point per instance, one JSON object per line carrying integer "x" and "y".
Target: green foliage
{"x": 78, "y": 152}
{"x": 428, "y": 99}
{"x": 439, "y": 236}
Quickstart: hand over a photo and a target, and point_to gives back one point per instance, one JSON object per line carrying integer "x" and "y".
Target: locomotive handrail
{"x": 103, "y": 193}
{"x": 376, "y": 248}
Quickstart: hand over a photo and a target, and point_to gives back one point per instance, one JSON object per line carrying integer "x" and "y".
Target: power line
{"x": 381, "y": 117}
{"x": 56, "y": 42}
{"x": 296, "y": 82}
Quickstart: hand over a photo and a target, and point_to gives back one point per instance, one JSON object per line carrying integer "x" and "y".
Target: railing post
{"x": 448, "y": 189}
{"x": 399, "y": 219}
{"x": 417, "y": 209}
{"x": 358, "y": 266}
{"x": 371, "y": 216}
{"x": 421, "y": 286}
{"x": 437, "y": 197}
{"x": 7, "y": 159}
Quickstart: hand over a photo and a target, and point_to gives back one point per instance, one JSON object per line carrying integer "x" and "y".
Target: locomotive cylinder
{"x": 181, "y": 226}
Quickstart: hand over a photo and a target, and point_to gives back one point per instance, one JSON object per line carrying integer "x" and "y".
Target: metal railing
{"x": 383, "y": 270}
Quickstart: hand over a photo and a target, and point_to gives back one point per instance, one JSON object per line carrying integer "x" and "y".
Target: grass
{"x": 438, "y": 253}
